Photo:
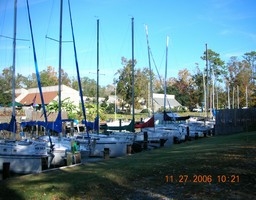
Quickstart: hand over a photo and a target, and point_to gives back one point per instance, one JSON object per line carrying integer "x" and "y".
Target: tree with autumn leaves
{"x": 228, "y": 85}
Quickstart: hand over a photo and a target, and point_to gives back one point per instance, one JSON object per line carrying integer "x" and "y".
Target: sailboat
{"x": 157, "y": 136}
{"x": 168, "y": 119}
{"x": 22, "y": 156}
{"x": 180, "y": 126}
{"x": 61, "y": 148}
{"x": 113, "y": 144}
{"x": 168, "y": 124}
{"x": 145, "y": 137}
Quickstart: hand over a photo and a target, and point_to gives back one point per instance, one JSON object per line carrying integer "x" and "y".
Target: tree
{"x": 65, "y": 79}
{"x": 250, "y": 57}
{"x": 124, "y": 83}
{"x": 49, "y": 77}
{"x": 142, "y": 86}
{"x": 74, "y": 83}
{"x": 239, "y": 82}
{"x": 5, "y": 92}
{"x": 184, "y": 89}
{"x": 199, "y": 88}
{"x": 215, "y": 73}
{"x": 8, "y": 76}
{"x": 89, "y": 87}
{"x": 30, "y": 81}
{"x": 6, "y": 85}
{"x": 66, "y": 105}
{"x": 91, "y": 110}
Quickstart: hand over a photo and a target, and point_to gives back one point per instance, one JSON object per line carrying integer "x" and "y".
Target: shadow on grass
{"x": 143, "y": 175}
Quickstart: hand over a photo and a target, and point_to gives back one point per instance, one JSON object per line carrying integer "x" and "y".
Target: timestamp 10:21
{"x": 202, "y": 178}
{"x": 228, "y": 178}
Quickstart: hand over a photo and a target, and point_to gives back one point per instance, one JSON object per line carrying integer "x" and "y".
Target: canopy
{"x": 15, "y": 104}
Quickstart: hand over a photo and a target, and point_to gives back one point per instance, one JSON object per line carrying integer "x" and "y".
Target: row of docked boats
{"x": 53, "y": 150}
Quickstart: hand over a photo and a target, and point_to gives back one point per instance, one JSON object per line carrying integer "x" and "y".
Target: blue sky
{"x": 227, "y": 26}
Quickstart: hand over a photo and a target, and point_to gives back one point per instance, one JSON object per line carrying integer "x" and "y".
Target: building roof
{"x": 34, "y": 98}
{"x": 170, "y": 101}
{"x": 50, "y": 93}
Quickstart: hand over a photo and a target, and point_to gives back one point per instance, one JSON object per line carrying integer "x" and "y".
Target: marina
{"x": 55, "y": 147}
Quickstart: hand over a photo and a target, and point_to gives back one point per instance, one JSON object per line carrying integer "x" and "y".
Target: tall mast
{"x": 204, "y": 93}
{"x": 207, "y": 78}
{"x": 77, "y": 68}
{"x": 213, "y": 92}
{"x": 14, "y": 56}
{"x": 165, "y": 77}
{"x": 133, "y": 119}
{"x": 13, "y": 125}
{"x": 150, "y": 71}
{"x": 246, "y": 96}
{"x": 36, "y": 65}
{"x": 37, "y": 74}
{"x": 228, "y": 95}
{"x": 60, "y": 54}
{"x": 97, "y": 97}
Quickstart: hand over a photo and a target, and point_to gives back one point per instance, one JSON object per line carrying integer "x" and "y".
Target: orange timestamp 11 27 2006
{"x": 202, "y": 178}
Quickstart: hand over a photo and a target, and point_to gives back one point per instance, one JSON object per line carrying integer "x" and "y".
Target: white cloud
{"x": 225, "y": 32}
{"x": 234, "y": 53}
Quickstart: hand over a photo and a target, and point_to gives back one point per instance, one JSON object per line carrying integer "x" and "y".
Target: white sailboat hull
{"x": 23, "y": 157}
{"x": 61, "y": 148}
{"x": 116, "y": 149}
{"x": 116, "y": 144}
{"x": 23, "y": 164}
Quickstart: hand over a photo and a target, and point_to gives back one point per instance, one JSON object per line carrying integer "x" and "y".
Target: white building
{"x": 159, "y": 99}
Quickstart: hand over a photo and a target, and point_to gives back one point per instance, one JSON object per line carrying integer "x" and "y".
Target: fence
{"x": 230, "y": 121}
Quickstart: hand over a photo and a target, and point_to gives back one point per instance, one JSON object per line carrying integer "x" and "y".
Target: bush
{"x": 180, "y": 109}
{"x": 145, "y": 111}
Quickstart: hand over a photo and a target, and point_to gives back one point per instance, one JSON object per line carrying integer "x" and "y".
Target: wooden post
{"x": 129, "y": 149}
{"x": 120, "y": 125}
{"x": 72, "y": 128}
{"x": 162, "y": 141}
{"x": 36, "y": 130}
{"x": 6, "y": 170}
{"x": 145, "y": 142}
{"x": 187, "y": 133}
{"x": 63, "y": 128}
{"x": 213, "y": 130}
{"x": 106, "y": 153}
{"x": 196, "y": 136}
{"x": 69, "y": 158}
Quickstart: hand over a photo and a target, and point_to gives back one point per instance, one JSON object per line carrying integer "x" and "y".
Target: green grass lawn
{"x": 219, "y": 167}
